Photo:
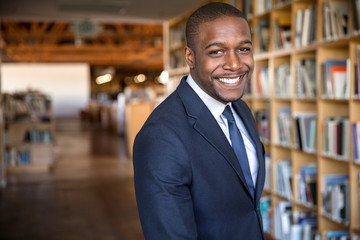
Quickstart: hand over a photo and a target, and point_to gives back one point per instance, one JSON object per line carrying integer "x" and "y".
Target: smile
{"x": 230, "y": 80}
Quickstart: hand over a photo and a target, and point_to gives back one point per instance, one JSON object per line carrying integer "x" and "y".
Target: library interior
{"x": 78, "y": 79}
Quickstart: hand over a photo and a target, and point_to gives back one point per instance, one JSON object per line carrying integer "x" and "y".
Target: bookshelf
{"x": 29, "y": 134}
{"x": 311, "y": 41}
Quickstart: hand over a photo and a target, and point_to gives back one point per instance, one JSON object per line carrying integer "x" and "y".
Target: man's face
{"x": 221, "y": 62}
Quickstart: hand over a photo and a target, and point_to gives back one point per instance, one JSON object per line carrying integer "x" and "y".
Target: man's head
{"x": 219, "y": 51}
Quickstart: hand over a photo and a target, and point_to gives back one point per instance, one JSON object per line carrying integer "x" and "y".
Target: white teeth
{"x": 229, "y": 80}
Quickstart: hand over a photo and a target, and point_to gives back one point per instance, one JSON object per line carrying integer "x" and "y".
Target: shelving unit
{"x": 29, "y": 134}
{"x": 321, "y": 49}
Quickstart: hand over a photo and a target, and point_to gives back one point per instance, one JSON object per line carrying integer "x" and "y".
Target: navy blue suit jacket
{"x": 188, "y": 181}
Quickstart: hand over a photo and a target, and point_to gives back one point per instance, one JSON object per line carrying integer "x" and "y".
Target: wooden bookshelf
{"x": 29, "y": 134}
{"x": 321, "y": 49}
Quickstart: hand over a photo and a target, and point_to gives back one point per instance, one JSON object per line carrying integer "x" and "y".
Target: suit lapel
{"x": 207, "y": 126}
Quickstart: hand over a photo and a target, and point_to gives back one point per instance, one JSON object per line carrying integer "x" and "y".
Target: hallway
{"x": 89, "y": 194}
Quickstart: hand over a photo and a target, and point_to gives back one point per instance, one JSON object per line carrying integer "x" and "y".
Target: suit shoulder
{"x": 169, "y": 112}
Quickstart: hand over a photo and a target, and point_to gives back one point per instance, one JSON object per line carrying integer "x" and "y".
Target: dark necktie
{"x": 239, "y": 148}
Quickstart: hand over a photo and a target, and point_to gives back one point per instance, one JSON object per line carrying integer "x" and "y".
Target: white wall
{"x": 68, "y": 84}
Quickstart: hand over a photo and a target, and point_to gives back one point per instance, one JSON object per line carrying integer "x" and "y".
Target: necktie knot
{"x": 228, "y": 113}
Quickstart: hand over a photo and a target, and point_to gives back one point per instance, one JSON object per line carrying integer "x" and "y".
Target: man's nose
{"x": 232, "y": 61}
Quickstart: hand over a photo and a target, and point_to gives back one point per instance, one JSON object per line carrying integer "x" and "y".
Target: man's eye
{"x": 216, "y": 52}
{"x": 244, "y": 49}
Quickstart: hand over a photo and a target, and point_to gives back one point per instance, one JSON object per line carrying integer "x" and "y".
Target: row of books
{"x": 336, "y": 197}
{"x": 305, "y": 27}
{"x": 38, "y": 136}
{"x": 307, "y": 185}
{"x": 336, "y": 20}
{"x": 177, "y": 36}
{"x": 306, "y": 78}
{"x": 355, "y": 126}
{"x": 283, "y": 179}
{"x": 263, "y": 6}
{"x": 336, "y": 79}
{"x": 13, "y": 157}
{"x": 283, "y": 81}
{"x": 27, "y": 105}
{"x": 248, "y": 8}
{"x": 262, "y": 39}
{"x": 293, "y": 225}
{"x": 305, "y": 125}
{"x": 262, "y": 82}
{"x": 282, "y": 33}
{"x": 336, "y": 136}
{"x": 262, "y": 119}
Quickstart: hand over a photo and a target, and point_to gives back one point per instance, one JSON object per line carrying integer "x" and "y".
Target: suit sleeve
{"x": 162, "y": 176}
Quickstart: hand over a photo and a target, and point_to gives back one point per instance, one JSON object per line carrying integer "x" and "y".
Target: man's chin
{"x": 228, "y": 99}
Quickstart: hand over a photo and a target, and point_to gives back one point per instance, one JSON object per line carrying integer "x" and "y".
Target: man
{"x": 191, "y": 179}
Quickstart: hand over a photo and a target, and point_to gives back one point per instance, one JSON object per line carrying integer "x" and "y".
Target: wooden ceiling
{"x": 132, "y": 47}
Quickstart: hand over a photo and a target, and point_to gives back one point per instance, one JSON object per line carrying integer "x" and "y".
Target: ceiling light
{"x": 140, "y": 78}
{"x": 103, "y": 79}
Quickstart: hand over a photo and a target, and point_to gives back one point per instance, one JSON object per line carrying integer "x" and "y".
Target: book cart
{"x": 304, "y": 94}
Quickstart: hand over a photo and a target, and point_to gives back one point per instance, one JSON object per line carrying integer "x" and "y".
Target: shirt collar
{"x": 216, "y": 108}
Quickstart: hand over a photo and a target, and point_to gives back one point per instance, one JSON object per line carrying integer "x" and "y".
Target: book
{"x": 335, "y": 79}
{"x": 267, "y": 184}
{"x": 336, "y": 20}
{"x": 355, "y": 126}
{"x": 336, "y": 135}
{"x": 298, "y": 27}
{"x": 262, "y": 120}
{"x": 282, "y": 220}
{"x": 283, "y": 178}
{"x": 335, "y": 193}
{"x": 306, "y": 78}
{"x": 284, "y": 128}
{"x": 305, "y": 131}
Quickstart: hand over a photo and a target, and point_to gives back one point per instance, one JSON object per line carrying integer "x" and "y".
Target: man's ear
{"x": 190, "y": 57}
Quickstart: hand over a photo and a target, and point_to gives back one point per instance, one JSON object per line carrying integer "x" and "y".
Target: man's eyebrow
{"x": 223, "y": 43}
{"x": 214, "y": 44}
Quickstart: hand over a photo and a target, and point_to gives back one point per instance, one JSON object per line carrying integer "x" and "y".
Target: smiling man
{"x": 198, "y": 162}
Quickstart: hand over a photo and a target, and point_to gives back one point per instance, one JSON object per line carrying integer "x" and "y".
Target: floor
{"x": 89, "y": 194}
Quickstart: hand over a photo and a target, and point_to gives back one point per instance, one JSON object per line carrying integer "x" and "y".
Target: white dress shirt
{"x": 216, "y": 108}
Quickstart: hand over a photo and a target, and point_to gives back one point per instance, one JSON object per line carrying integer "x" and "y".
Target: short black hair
{"x": 206, "y": 13}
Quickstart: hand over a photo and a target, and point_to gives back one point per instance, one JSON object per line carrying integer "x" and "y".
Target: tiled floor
{"x": 89, "y": 194}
